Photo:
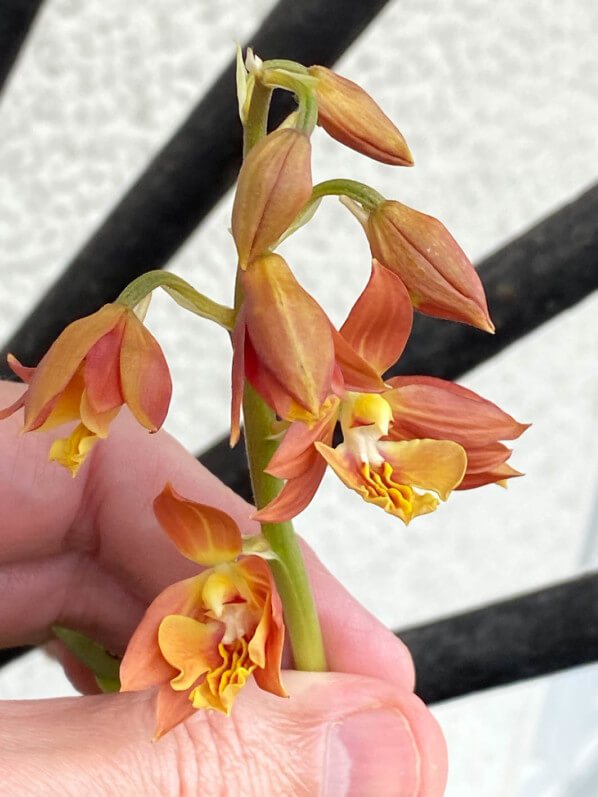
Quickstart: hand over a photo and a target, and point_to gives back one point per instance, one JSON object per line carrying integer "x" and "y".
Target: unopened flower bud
{"x": 350, "y": 115}
{"x": 437, "y": 273}
{"x": 274, "y": 184}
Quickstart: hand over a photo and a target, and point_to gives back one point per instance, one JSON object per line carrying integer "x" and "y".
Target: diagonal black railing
{"x": 531, "y": 635}
{"x": 16, "y": 17}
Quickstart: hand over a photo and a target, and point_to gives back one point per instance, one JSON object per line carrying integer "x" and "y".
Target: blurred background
{"x": 499, "y": 105}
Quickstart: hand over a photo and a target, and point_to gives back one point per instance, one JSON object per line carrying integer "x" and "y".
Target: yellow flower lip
{"x": 401, "y": 500}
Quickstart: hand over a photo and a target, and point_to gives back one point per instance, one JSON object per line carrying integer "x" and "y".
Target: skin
{"x": 89, "y": 554}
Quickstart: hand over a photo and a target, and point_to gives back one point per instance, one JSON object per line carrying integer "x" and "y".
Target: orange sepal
{"x": 437, "y": 273}
{"x": 357, "y": 373}
{"x": 296, "y": 453}
{"x": 172, "y": 708}
{"x": 143, "y": 664}
{"x": 498, "y": 475}
{"x": 289, "y": 331}
{"x": 144, "y": 375}
{"x": 380, "y": 321}
{"x": 425, "y": 406}
{"x": 266, "y": 645}
{"x": 295, "y": 495}
{"x": 202, "y": 533}
{"x": 350, "y": 115}
{"x": 24, "y": 372}
{"x": 274, "y": 184}
{"x": 298, "y": 461}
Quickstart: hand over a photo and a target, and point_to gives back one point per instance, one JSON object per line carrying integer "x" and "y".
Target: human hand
{"x": 89, "y": 554}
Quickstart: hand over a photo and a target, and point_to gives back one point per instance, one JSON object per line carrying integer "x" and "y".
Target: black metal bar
{"x": 16, "y": 17}
{"x": 525, "y": 637}
{"x": 530, "y": 280}
{"x": 538, "y": 275}
{"x": 185, "y": 180}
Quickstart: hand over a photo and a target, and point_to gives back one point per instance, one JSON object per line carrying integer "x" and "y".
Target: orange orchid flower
{"x": 287, "y": 348}
{"x": 420, "y": 250}
{"x": 419, "y": 433}
{"x": 202, "y": 638}
{"x": 348, "y": 114}
{"x": 96, "y": 365}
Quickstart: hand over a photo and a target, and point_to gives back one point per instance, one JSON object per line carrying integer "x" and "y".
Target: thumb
{"x": 337, "y": 735}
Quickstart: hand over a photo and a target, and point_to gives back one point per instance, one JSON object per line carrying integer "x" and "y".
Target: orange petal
{"x": 268, "y": 386}
{"x": 102, "y": 373}
{"x": 64, "y": 408}
{"x": 143, "y": 664}
{"x": 296, "y": 494}
{"x": 497, "y": 475}
{"x": 22, "y": 371}
{"x": 437, "y": 465}
{"x": 358, "y": 374}
{"x": 202, "y": 533}
{"x": 97, "y": 422}
{"x": 274, "y": 184}
{"x": 380, "y": 321}
{"x": 350, "y": 115}
{"x": 59, "y": 365}
{"x": 190, "y": 647}
{"x": 144, "y": 375}
{"x": 429, "y": 407}
{"x": 265, "y": 648}
{"x": 289, "y": 331}
{"x": 296, "y": 453}
{"x": 487, "y": 457}
{"x": 437, "y": 273}
{"x": 172, "y": 708}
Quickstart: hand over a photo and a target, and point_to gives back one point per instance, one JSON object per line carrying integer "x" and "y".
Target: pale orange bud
{"x": 350, "y": 115}
{"x": 435, "y": 270}
{"x": 274, "y": 184}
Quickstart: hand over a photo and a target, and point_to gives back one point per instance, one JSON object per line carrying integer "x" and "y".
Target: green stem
{"x": 307, "y": 113}
{"x": 368, "y": 197}
{"x": 184, "y": 294}
{"x": 256, "y": 126}
{"x": 288, "y": 568}
{"x": 289, "y": 66}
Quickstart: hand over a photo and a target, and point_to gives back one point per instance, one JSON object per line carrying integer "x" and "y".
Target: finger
{"x": 337, "y": 734}
{"x": 89, "y": 552}
{"x": 80, "y": 677}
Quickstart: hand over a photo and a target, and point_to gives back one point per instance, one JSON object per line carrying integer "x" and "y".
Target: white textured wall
{"x": 499, "y": 104}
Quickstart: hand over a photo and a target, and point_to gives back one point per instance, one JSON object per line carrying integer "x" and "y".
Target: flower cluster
{"x": 405, "y": 443}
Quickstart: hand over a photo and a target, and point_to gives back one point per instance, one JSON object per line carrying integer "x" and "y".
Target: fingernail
{"x": 372, "y": 753}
